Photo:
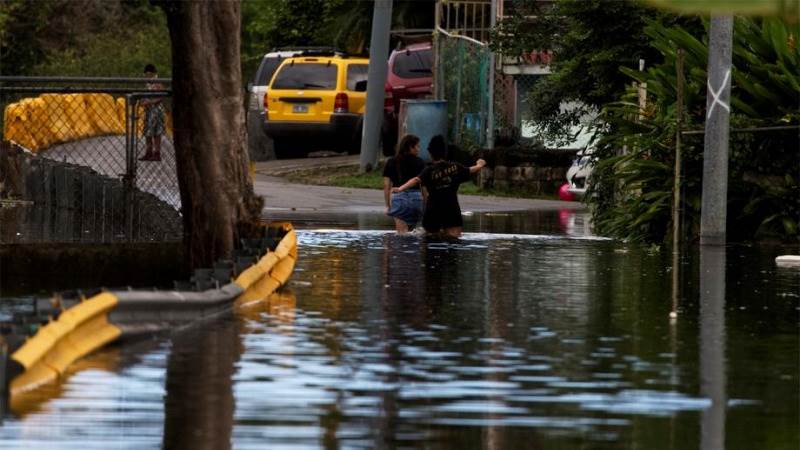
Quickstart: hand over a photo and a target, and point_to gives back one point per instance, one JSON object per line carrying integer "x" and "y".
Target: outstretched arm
{"x": 410, "y": 183}
{"x": 477, "y": 167}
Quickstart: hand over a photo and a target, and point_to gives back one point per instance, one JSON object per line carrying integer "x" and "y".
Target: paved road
{"x": 106, "y": 155}
{"x": 287, "y": 200}
{"x": 282, "y": 199}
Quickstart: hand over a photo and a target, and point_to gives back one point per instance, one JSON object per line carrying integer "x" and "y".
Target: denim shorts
{"x": 407, "y": 206}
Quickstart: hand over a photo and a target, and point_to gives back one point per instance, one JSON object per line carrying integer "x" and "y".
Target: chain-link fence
{"x": 118, "y": 129}
{"x": 463, "y": 79}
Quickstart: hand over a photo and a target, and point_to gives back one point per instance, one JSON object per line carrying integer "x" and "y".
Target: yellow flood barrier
{"x": 77, "y": 332}
{"x": 270, "y": 272}
{"x": 17, "y": 125}
{"x": 86, "y": 327}
{"x": 77, "y": 115}
{"x": 37, "y": 123}
{"x": 103, "y": 116}
{"x": 56, "y": 119}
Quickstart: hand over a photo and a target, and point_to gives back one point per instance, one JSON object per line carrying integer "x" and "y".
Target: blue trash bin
{"x": 425, "y": 119}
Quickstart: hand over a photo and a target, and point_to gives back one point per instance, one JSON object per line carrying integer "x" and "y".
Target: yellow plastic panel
{"x": 102, "y": 112}
{"x": 283, "y": 270}
{"x": 75, "y": 109}
{"x": 56, "y": 118}
{"x": 39, "y": 125}
{"x": 288, "y": 243}
{"x": 16, "y": 127}
{"x": 77, "y": 332}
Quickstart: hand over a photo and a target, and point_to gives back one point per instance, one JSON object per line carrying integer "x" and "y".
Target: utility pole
{"x": 376, "y": 79}
{"x": 714, "y": 206}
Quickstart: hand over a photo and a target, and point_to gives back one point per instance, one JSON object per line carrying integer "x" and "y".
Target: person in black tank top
{"x": 441, "y": 180}
{"x": 405, "y": 207}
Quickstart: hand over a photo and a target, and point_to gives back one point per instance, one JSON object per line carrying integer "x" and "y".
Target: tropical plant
{"x": 590, "y": 39}
{"x": 632, "y": 188}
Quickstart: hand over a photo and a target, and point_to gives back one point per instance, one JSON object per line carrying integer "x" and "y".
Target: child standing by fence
{"x": 154, "y": 118}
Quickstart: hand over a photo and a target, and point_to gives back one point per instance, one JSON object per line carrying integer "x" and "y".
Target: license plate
{"x": 301, "y": 109}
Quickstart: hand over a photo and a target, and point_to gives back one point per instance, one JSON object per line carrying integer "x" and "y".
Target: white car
{"x": 269, "y": 64}
{"x": 578, "y": 174}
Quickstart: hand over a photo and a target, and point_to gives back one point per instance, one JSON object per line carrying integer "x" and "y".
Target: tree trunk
{"x": 219, "y": 204}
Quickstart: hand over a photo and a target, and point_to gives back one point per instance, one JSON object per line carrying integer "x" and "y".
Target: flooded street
{"x": 528, "y": 333}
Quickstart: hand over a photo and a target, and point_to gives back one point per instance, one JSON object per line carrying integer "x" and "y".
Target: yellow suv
{"x": 319, "y": 96}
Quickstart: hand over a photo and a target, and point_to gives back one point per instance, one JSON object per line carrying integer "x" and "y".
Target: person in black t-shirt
{"x": 405, "y": 207}
{"x": 441, "y": 180}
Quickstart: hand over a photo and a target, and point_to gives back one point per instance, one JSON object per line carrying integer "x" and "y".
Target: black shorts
{"x": 439, "y": 217}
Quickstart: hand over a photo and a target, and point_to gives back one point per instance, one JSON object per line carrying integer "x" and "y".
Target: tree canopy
{"x": 591, "y": 40}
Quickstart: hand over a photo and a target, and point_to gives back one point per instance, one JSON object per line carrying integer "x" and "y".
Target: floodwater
{"x": 552, "y": 339}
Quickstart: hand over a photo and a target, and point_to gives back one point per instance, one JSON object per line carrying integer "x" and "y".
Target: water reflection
{"x": 201, "y": 367}
{"x": 712, "y": 346}
{"x": 492, "y": 341}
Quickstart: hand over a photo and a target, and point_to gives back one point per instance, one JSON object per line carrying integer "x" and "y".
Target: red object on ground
{"x": 565, "y": 194}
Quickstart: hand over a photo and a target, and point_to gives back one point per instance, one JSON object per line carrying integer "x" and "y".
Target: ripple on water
{"x": 415, "y": 341}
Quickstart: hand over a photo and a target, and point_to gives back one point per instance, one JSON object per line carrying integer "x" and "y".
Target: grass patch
{"x": 349, "y": 177}
{"x": 344, "y": 176}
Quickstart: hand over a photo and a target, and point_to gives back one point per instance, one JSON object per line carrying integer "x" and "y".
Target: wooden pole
{"x": 676, "y": 194}
{"x": 676, "y": 191}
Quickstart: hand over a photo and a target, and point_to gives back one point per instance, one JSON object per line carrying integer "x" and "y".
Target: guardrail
{"x": 116, "y": 315}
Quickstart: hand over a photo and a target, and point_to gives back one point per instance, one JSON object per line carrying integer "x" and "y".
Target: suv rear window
{"x": 267, "y": 69}
{"x": 306, "y": 76}
{"x": 413, "y": 64}
{"x": 356, "y": 73}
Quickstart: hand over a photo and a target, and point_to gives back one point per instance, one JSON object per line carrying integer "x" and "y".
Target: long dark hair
{"x": 404, "y": 147}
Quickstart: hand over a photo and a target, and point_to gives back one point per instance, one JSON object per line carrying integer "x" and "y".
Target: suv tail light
{"x": 266, "y": 102}
{"x": 341, "y": 104}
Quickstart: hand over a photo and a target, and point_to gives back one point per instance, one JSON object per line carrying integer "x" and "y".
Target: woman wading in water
{"x": 406, "y": 206}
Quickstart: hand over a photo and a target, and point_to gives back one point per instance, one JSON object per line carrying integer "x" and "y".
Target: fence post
{"x": 129, "y": 177}
{"x": 490, "y": 118}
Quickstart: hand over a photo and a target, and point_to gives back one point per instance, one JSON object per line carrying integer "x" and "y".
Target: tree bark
{"x": 218, "y": 202}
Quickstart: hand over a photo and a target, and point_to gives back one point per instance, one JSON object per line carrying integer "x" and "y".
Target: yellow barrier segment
{"x": 85, "y": 328}
{"x": 256, "y": 271}
{"x": 37, "y": 123}
{"x": 57, "y": 120}
{"x": 120, "y": 107}
{"x": 29, "y": 402}
{"x": 77, "y": 332}
{"x": 287, "y": 245}
{"x": 102, "y": 112}
{"x": 37, "y": 114}
{"x": 16, "y": 126}
{"x": 271, "y": 272}
{"x": 77, "y": 115}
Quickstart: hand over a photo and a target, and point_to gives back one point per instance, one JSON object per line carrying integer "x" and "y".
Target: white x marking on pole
{"x": 715, "y": 95}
